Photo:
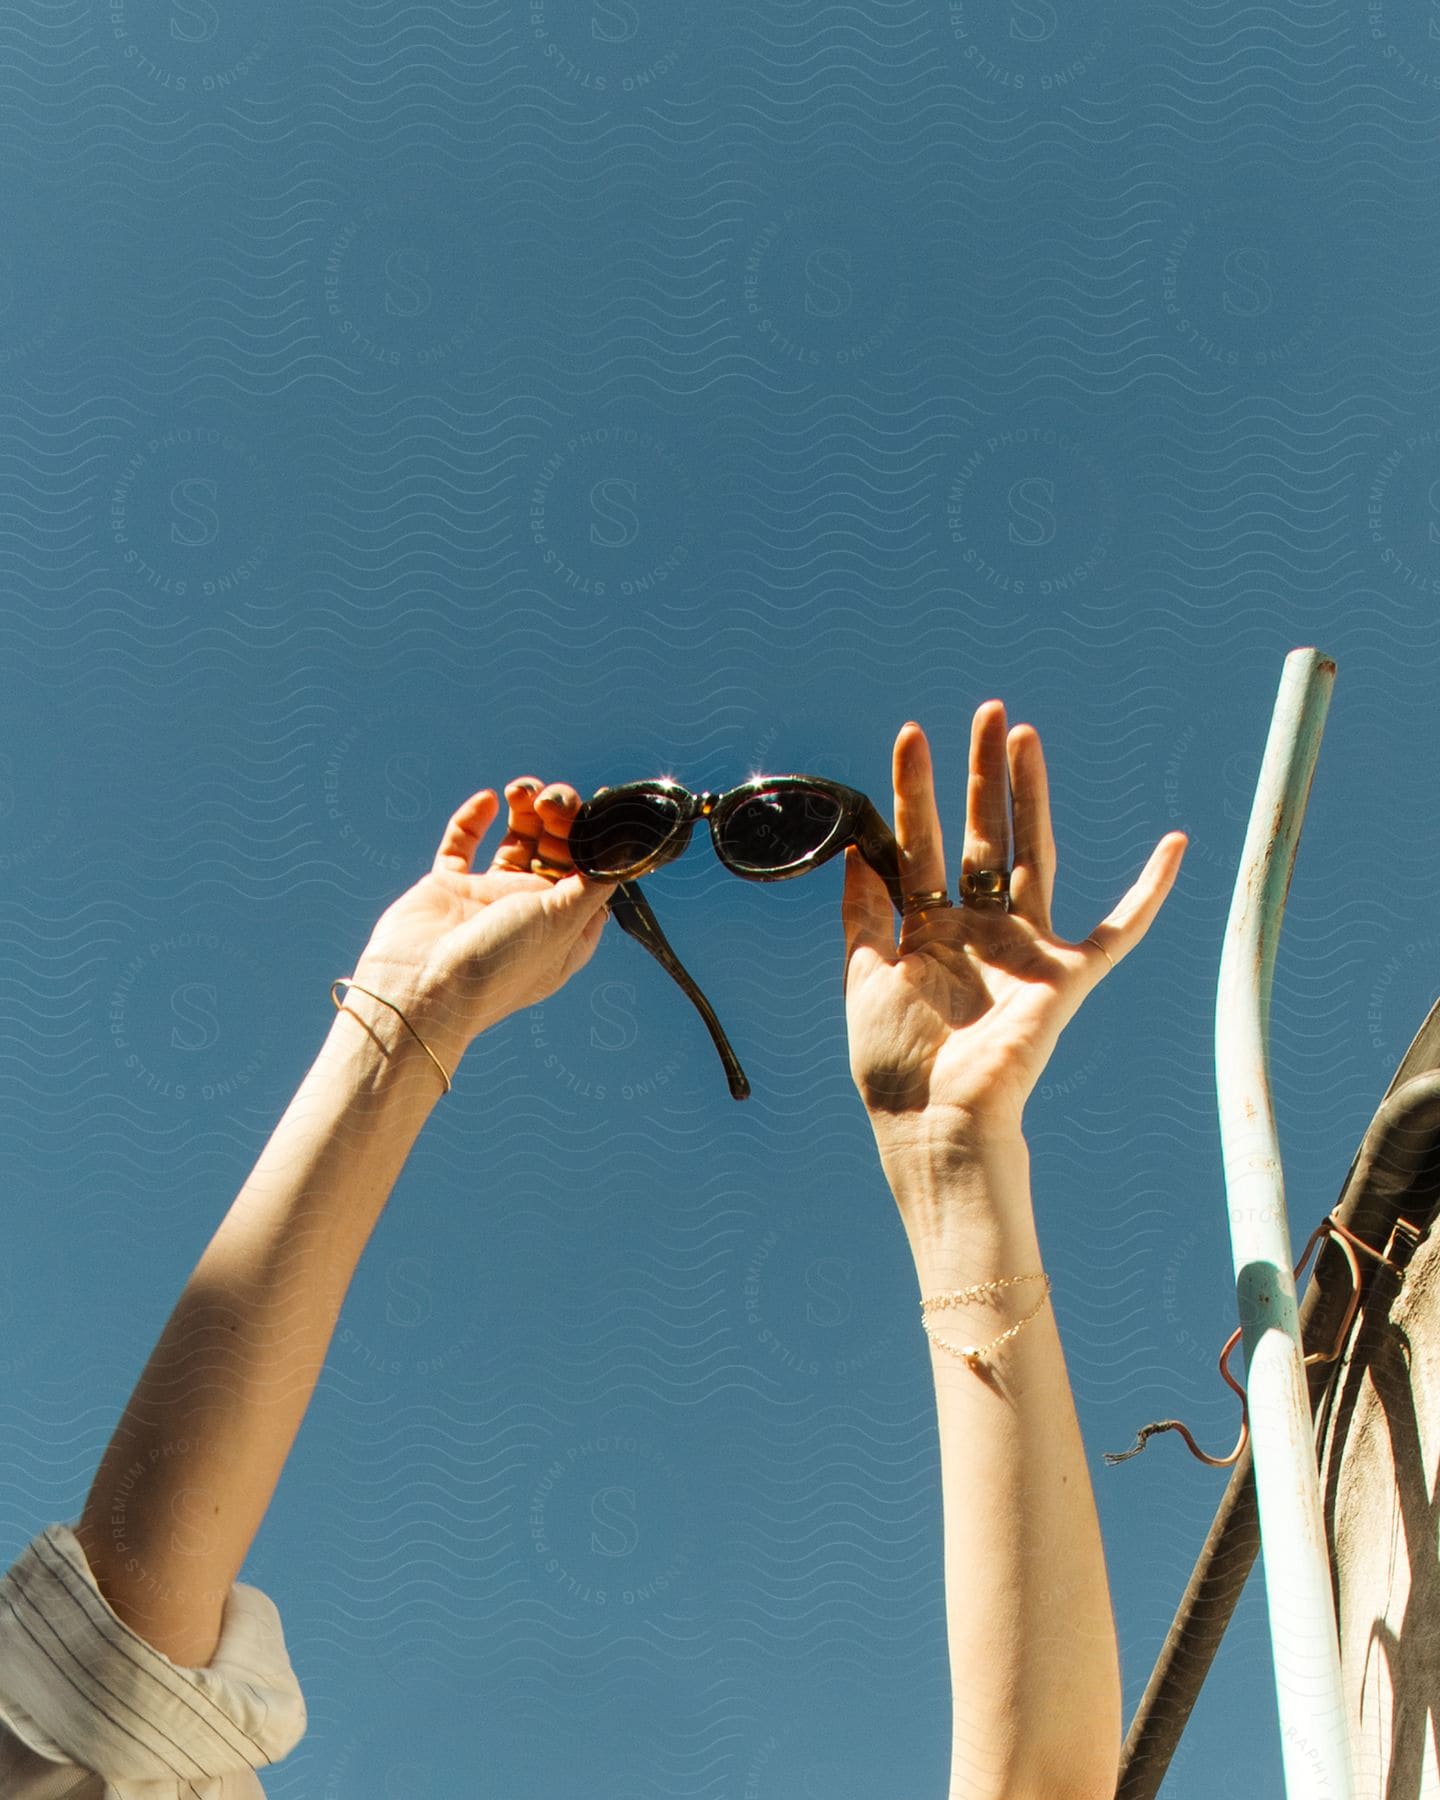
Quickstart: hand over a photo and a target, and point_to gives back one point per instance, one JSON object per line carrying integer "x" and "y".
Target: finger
{"x": 555, "y": 809}
{"x": 917, "y": 822}
{"x": 521, "y": 795}
{"x": 1122, "y": 929}
{"x": 865, "y": 914}
{"x": 557, "y": 804}
{"x": 987, "y": 798}
{"x": 522, "y": 839}
{"x": 1032, "y": 880}
{"x": 540, "y": 817}
{"x": 468, "y": 824}
{"x": 538, "y": 808}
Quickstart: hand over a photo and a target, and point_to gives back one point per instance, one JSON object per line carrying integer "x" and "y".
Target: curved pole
{"x": 1304, "y": 1639}
{"x": 1389, "y": 1175}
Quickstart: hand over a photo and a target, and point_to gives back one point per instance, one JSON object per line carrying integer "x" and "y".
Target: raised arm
{"x": 188, "y": 1476}
{"x": 949, "y": 1031}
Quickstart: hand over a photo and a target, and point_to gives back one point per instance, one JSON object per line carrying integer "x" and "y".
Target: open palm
{"x": 955, "y": 1022}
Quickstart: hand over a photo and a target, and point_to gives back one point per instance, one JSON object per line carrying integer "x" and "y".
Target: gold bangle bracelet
{"x": 345, "y": 981}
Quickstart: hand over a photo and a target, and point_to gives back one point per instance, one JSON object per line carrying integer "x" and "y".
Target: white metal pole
{"x": 1304, "y": 1639}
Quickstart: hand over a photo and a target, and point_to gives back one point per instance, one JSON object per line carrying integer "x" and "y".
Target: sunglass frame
{"x": 858, "y": 822}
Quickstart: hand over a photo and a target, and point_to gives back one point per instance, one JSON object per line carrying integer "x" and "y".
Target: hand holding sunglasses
{"x": 771, "y": 828}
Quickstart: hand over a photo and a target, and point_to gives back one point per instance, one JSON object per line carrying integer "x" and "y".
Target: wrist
{"x": 963, "y": 1197}
{"x": 405, "y": 1043}
{"x": 921, "y": 1149}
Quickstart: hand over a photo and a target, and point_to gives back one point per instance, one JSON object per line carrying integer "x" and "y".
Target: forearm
{"x": 1034, "y": 1664}
{"x": 190, "y": 1471}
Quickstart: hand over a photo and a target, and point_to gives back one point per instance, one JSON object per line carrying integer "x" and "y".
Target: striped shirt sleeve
{"x": 78, "y": 1685}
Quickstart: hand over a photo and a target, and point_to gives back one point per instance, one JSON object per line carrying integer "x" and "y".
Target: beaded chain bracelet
{"x": 958, "y": 1296}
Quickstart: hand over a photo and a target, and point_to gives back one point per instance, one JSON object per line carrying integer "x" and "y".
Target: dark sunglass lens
{"x": 773, "y": 830}
{"x": 612, "y": 835}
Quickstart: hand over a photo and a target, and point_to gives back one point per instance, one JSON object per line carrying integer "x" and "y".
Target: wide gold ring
{"x": 986, "y": 887}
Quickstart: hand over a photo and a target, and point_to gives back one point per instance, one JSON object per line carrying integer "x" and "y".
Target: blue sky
{"x": 400, "y": 400}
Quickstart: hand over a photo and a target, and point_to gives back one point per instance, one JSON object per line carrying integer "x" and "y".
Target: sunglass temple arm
{"x": 631, "y": 912}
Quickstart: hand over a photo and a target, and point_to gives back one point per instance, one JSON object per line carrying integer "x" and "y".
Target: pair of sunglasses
{"x": 770, "y": 828}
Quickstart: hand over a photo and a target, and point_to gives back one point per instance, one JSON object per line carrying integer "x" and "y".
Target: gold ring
{"x": 986, "y": 887}
{"x": 915, "y": 903}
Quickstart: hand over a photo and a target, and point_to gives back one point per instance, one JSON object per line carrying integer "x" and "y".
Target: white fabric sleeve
{"x": 78, "y": 1686}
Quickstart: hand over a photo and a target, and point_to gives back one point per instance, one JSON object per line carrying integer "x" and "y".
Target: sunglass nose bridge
{"x": 708, "y": 803}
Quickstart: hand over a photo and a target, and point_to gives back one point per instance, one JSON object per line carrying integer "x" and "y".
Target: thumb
{"x": 575, "y": 900}
{"x": 578, "y": 907}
